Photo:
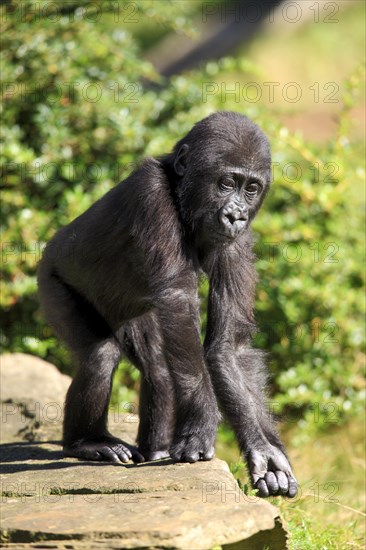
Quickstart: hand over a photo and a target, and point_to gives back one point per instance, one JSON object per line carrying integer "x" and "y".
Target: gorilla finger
{"x": 262, "y": 488}
{"x": 122, "y": 455}
{"x": 137, "y": 456}
{"x": 208, "y": 455}
{"x": 191, "y": 457}
{"x": 272, "y": 482}
{"x": 176, "y": 457}
{"x": 292, "y": 487}
{"x": 282, "y": 482}
{"x": 255, "y": 478}
{"x": 176, "y": 450}
{"x": 123, "y": 449}
{"x": 108, "y": 453}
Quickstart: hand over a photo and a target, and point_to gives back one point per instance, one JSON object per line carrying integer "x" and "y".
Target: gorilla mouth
{"x": 231, "y": 218}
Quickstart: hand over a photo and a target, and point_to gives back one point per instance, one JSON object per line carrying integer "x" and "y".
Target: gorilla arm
{"x": 238, "y": 371}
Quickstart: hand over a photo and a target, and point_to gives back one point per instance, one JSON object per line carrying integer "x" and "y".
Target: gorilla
{"x": 122, "y": 278}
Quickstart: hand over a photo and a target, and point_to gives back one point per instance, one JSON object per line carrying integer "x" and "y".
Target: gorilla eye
{"x": 227, "y": 184}
{"x": 252, "y": 189}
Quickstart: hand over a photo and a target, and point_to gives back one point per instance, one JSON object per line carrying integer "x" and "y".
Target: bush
{"x": 77, "y": 118}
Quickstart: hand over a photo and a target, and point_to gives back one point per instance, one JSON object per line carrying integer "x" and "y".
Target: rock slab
{"x": 49, "y": 501}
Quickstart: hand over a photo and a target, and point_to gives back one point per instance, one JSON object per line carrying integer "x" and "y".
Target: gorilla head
{"x": 223, "y": 171}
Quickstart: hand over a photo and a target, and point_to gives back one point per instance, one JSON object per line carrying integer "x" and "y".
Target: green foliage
{"x": 310, "y": 253}
{"x": 76, "y": 119}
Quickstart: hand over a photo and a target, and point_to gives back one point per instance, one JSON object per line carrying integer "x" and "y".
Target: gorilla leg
{"x": 197, "y": 413}
{"x": 143, "y": 345}
{"x": 97, "y": 353}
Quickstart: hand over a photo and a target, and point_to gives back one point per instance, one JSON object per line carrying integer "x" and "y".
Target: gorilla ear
{"x": 180, "y": 161}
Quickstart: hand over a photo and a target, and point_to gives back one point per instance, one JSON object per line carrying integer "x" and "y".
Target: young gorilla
{"x": 122, "y": 278}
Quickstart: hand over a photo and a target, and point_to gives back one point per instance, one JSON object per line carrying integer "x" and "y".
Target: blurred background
{"x": 91, "y": 87}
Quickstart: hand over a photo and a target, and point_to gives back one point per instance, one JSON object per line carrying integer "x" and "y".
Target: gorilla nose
{"x": 233, "y": 218}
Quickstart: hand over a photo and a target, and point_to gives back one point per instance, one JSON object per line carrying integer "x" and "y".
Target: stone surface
{"x": 26, "y": 377}
{"x": 49, "y": 501}
{"x": 32, "y": 396}
{"x": 159, "y": 520}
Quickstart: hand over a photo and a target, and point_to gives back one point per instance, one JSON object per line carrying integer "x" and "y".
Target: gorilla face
{"x": 222, "y": 181}
{"x": 241, "y": 195}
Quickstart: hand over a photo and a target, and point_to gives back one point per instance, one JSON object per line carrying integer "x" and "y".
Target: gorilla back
{"x": 122, "y": 279}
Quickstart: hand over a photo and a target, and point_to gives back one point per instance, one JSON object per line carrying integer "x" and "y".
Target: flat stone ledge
{"x": 58, "y": 501}
{"x": 49, "y": 501}
{"x": 155, "y": 520}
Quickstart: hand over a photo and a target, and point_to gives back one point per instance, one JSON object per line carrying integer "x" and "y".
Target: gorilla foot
{"x": 192, "y": 448}
{"x": 271, "y": 473}
{"x": 109, "y": 449}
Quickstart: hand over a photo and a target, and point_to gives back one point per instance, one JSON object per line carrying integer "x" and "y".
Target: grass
{"x": 329, "y": 512}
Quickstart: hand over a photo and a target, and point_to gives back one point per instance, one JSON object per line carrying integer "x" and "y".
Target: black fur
{"x": 122, "y": 278}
